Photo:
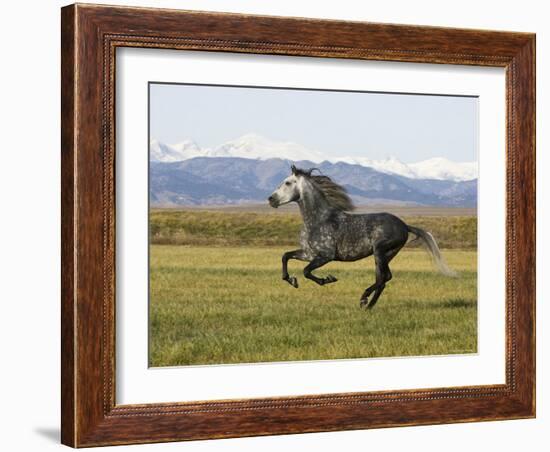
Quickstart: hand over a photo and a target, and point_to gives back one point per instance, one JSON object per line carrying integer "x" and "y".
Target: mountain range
{"x": 248, "y": 169}
{"x": 253, "y": 146}
{"x": 236, "y": 180}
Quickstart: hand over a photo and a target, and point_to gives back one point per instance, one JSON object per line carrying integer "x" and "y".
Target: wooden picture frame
{"x": 90, "y": 36}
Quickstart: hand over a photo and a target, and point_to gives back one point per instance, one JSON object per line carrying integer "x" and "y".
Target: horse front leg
{"x": 296, "y": 254}
{"x": 317, "y": 262}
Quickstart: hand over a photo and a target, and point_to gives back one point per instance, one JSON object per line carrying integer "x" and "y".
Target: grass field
{"x": 227, "y": 304}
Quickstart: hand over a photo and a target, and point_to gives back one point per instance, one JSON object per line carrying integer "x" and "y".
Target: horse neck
{"x": 313, "y": 205}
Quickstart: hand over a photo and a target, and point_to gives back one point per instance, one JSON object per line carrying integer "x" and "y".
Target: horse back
{"x": 358, "y": 234}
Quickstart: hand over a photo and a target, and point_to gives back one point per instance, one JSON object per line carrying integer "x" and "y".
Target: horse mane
{"x": 336, "y": 195}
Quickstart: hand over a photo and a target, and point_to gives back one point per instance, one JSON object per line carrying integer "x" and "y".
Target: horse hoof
{"x": 364, "y": 303}
{"x": 330, "y": 279}
{"x": 293, "y": 281}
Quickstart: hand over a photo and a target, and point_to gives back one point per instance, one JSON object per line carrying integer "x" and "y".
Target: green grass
{"x": 222, "y": 228}
{"x": 213, "y": 305}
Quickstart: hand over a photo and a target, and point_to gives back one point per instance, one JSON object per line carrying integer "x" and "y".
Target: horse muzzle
{"x": 273, "y": 201}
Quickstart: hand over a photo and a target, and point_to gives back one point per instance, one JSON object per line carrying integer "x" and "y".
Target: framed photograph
{"x": 282, "y": 225}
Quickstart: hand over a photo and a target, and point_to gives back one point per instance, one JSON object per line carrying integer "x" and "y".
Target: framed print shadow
{"x": 283, "y": 225}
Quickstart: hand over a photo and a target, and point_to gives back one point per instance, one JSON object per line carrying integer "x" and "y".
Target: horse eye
{"x": 287, "y": 183}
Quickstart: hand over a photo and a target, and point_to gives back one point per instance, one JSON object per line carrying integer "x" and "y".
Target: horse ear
{"x": 293, "y": 169}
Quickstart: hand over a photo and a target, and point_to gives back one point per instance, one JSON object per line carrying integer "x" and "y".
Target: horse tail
{"x": 430, "y": 243}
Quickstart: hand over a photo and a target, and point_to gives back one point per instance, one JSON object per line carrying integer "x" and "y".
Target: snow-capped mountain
{"x": 444, "y": 169}
{"x": 390, "y": 165}
{"x": 253, "y": 146}
{"x": 185, "y": 150}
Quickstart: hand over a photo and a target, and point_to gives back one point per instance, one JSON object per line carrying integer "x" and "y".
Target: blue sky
{"x": 337, "y": 123}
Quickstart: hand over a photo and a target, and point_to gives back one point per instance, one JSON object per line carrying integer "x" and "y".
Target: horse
{"x": 331, "y": 232}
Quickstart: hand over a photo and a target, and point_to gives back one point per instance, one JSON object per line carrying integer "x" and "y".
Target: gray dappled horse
{"x": 331, "y": 233}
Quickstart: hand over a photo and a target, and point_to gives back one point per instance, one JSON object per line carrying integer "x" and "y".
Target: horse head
{"x": 288, "y": 190}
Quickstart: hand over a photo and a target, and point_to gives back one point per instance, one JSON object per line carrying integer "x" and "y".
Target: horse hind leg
{"x": 378, "y": 287}
{"x": 377, "y": 292}
{"x": 383, "y": 275}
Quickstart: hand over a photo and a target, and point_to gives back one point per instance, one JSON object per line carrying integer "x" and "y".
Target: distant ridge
{"x": 213, "y": 180}
{"x": 257, "y": 147}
